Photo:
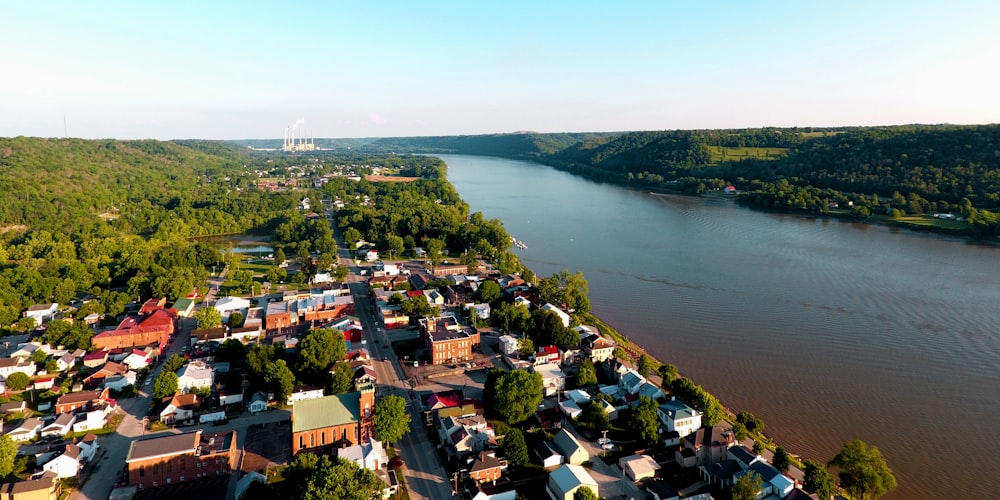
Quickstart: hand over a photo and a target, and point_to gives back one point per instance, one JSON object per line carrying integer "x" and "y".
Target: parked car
{"x": 603, "y": 440}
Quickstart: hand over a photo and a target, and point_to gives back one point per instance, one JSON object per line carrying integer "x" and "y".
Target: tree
{"x": 231, "y": 350}
{"x": 644, "y": 421}
{"x": 258, "y": 359}
{"x": 513, "y": 447}
{"x": 318, "y": 349}
{"x": 275, "y": 274}
{"x": 587, "y": 376}
{"x": 565, "y": 288}
{"x": 208, "y": 317}
{"x": 645, "y": 366}
{"x": 739, "y": 432}
{"x": 279, "y": 256}
{"x": 595, "y": 415}
{"x": 8, "y": 452}
{"x": 340, "y": 272}
{"x": 165, "y": 384}
{"x": 584, "y": 493}
{"x": 668, "y": 373}
{"x": 280, "y": 379}
{"x": 174, "y": 363}
{"x": 38, "y": 356}
{"x": 18, "y": 381}
{"x": 818, "y": 480}
{"x": 758, "y": 447}
{"x": 391, "y": 419}
{"x": 342, "y": 379}
{"x": 25, "y": 324}
{"x": 747, "y": 487}
{"x": 394, "y": 245}
{"x": 525, "y": 346}
{"x": 312, "y": 477}
{"x": 516, "y": 395}
{"x": 753, "y": 424}
{"x": 489, "y": 291}
{"x": 694, "y": 395}
{"x": 862, "y": 470}
{"x": 781, "y": 460}
{"x": 352, "y": 236}
{"x": 434, "y": 249}
{"x": 235, "y": 319}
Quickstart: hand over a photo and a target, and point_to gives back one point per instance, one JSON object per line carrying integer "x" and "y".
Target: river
{"x": 826, "y": 330}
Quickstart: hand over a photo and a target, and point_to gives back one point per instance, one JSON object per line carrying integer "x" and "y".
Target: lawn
{"x": 928, "y": 221}
{"x": 722, "y": 154}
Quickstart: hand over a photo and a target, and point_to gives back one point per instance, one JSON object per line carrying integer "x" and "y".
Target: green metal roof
{"x": 327, "y": 411}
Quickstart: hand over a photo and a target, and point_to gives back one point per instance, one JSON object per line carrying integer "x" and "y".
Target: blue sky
{"x": 230, "y": 70}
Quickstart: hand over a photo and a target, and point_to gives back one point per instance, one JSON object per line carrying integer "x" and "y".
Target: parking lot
{"x": 267, "y": 445}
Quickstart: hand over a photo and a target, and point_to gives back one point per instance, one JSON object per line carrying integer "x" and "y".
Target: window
{"x": 170, "y": 466}
{"x": 322, "y": 438}
{"x": 142, "y": 471}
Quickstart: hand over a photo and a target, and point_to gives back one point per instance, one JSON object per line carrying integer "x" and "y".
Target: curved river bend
{"x": 828, "y": 331}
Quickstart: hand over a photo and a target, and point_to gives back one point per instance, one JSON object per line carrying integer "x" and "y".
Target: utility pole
{"x": 604, "y": 441}
{"x": 455, "y": 476}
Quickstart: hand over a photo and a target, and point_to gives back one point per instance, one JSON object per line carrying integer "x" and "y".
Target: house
{"x": 465, "y": 434}
{"x": 638, "y": 467}
{"x": 258, "y": 402}
{"x": 564, "y": 481}
{"x": 81, "y": 400}
{"x": 91, "y": 420}
{"x": 47, "y": 487}
{"x": 439, "y": 400}
{"x": 660, "y": 489}
{"x": 204, "y": 335}
{"x": 230, "y": 397}
{"x": 707, "y": 445}
{"x": 549, "y": 455}
{"x": 184, "y": 307}
{"x": 120, "y": 382}
{"x": 775, "y": 483}
{"x": 10, "y": 366}
{"x": 322, "y": 422}
{"x": 180, "y": 457}
{"x": 370, "y": 455}
{"x": 13, "y": 407}
{"x": 448, "y": 340}
{"x": 553, "y": 379}
{"x": 152, "y": 305}
{"x": 571, "y": 448}
{"x": 302, "y": 392}
{"x": 679, "y": 417}
{"x": 486, "y": 467}
{"x": 179, "y": 408}
{"x": 522, "y": 301}
{"x": 598, "y": 348}
{"x": 96, "y": 358}
{"x": 548, "y": 354}
{"x": 279, "y": 315}
{"x": 246, "y": 334}
{"x": 570, "y": 409}
{"x": 631, "y": 381}
{"x": 390, "y": 483}
{"x": 371, "y": 255}
{"x": 27, "y": 349}
{"x": 558, "y": 312}
{"x": 66, "y": 464}
{"x": 88, "y": 447}
{"x": 138, "y": 359}
{"x": 365, "y": 374}
{"x": 62, "y": 425}
{"x": 229, "y": 305}
{"x": 106, "y": 370}
{"x": 508, "y": 345}
{"x": 651, "y": 391}
{"x": 42, "y": 313}
{"x": 194, "y": 375}
{"x": 66, "y": 361}
{"x": 27, "y": 430}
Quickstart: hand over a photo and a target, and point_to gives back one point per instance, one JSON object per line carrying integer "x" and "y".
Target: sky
{"x": 239, "y": 70}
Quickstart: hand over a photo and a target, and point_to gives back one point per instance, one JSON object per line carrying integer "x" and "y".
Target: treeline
{"x": 521, "y": 145}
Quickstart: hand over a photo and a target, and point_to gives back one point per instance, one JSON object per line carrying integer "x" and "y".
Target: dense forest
{"x": 892, "y": 172}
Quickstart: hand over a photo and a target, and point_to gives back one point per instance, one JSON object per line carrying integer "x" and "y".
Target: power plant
{"x": 295, "y": 138}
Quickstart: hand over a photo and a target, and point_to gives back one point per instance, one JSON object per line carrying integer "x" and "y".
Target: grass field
{"x": 928, "y": 221}
{"x": 721, "y": 154}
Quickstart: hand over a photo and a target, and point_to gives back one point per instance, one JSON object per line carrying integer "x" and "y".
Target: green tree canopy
{"x": 489, "y": 291}
{"x": 699, "y": 399}
{"x": 594, "y": 414}
{"x": 863, "y": 471}
{"x": 781, "y": 460}
{"x": 644, "y": 422}
{"x": 235, "y": 319}
{"x": 174, "y": 363}
{"x": 513, "y": 447}
{"x": 18, "y": 381}
{"x": 318, "y": 349}
{"x": 165, "y": 384}
{"x": 565, "y": 289}
{"x": 645, "y": 365}
{"x": 516, "y": 395}
{"x": 747, "y": 486}
{"x": 342, "y": 378}
{"x": 668, "y": 373}
{"x": 208, "y": 317}
{"x": 280, "y": 379}
{"x": 312, "y": 477}
{"x": 585, "y": 493}
{"x": 818, "y": 480}
{"x": 8, "y": 452}
{"x": 392, "y": 421}
{"x": 587, "y": 376}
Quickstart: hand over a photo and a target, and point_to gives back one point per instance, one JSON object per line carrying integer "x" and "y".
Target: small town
{"x": 416, "y": 369}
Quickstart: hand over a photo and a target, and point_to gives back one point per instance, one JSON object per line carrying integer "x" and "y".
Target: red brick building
{"x": 448, "y": 340}
{"x": 77, "y": 400}
{"x": 486, "y": 468}
{"x": 333, "y": 421}
{"x": 180, "y": 457}
{"x": 153, "y": 328}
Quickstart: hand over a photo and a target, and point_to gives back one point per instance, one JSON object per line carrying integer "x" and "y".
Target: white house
{"x": 549, "y": 455}
{"x": 571, "y": 448}
{"x": 775, "y": 483}
{"x": 9, "y": 366}
{"x": 61, "y": 426}
{"x": 66, "y": 464}
{"x": 434, "y": 297}
{"x": 304, "y": 392}
{"x": 564, "y": 481}
{"x": 638, "y": 467}
{"x": 91, "y": 420}
{"x": 88, "y": 447}
{"x": 42, "y": 312}
{"x": 482, "y": 310}
{"x": 195, "y": 374}
{"x": 228, "y": 305}
{"x": 28, "y": 430}
{"x": 230, "y": 398}
{"x": 559, "y": 312}
{"x": 137, "y": 359}
{"x": 371, "y": 456}
{"x": 631, "y": 381}
{"x": 553, "y": 379}
{"x": 521, "y": 301}
{"x": 120, "y": 382}
{"x": 371, "y": 255}
{"x": 679, "y": 417}
{"x": 180, "y": 408}
{"x": 508, "y": 345}
{"x": 258, "y": 402}
{"x": 26, "y": 350}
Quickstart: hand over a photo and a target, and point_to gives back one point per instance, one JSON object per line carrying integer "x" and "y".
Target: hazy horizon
{"x": 232, "y": 71}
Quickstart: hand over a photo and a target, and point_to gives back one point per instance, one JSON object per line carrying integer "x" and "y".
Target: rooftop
{"x": 163, "y": 446}
{"x": 327, "y": 411}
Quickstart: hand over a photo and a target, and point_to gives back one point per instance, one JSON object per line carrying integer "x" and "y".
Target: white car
{"x": 603, "y": 441}
{"x": 608, "y": 446}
